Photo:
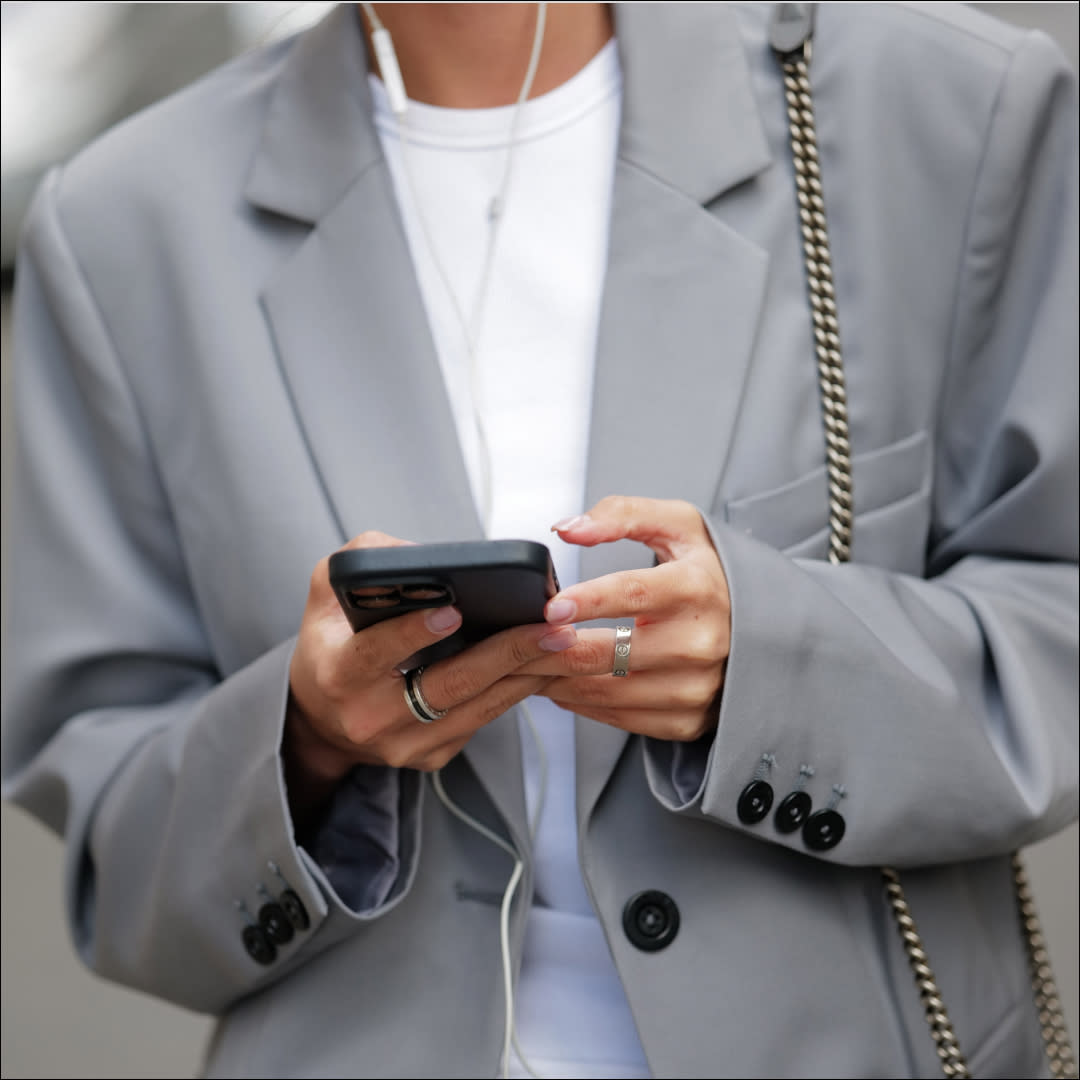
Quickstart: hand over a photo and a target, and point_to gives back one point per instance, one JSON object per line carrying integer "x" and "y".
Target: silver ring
{"x": 414, "y": 698}
{"x": 622, "y": 651}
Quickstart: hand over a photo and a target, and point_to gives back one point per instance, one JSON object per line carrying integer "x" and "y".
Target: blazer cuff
{"x": 371, "y": 831}
{"x": 676, "y": 771}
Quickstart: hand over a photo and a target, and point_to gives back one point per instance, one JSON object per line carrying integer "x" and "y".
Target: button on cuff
{"x": 755, "y": 802}
{"x": 792, "y": 812}
{"x": 294, "y": 909}
{"x": 823, "y": 830}
{"x": 258, "y": 945}
{"x": 276, "y": 924}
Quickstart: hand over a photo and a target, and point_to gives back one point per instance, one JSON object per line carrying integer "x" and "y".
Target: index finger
{"x": 653, "y": 591}
{"x": 468, "y": 674}
{"x": 669, "y": 527}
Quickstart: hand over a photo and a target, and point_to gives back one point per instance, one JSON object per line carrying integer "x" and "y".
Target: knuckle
{"x": 587, "y": 657}
{"x": 704, "y": 647}
{"x": 712, "y": 680}
{"x": 320, "y": 575}
{"x": 693, "y": 692}
{"x": 591, "y": 690}
{"x": 370, "y": 538}
{"x": 358, "y": 728}
{"x": 686, "y": 727}
{"x": 698, "y": 580}
{"x": 611, "y": 717}
{"x": 457, "y": 683}
{"x": 520, "y": 649}
{"x": 635, "y": 595}
{"x": 688, "y": 513}
{"x": 682, "y": 694}
{"x": 327, "y": 675}
{"x": 700, "y": 585}
{"x": 556, "y": 692}
{"x": 617, "y": 506}
{"x": 396, "y": 755}
{"x": 494, "y": 707}
{"x": 507, "y": 694}
{"x": 440, "y": 757}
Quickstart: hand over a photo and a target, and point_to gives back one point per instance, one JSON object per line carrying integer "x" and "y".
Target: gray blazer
{"x": 224, "y": 371}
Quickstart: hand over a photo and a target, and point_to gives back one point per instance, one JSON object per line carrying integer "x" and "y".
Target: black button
{"x": 755, "y": 801}
{"x": 792, "y": 811}
{"x": 823, "y": 830}
{"x": 651, "y": 920}
{"x": 260, "y": 948}
{"x": 276, "y": 923}
{"x": 294, "y": 908}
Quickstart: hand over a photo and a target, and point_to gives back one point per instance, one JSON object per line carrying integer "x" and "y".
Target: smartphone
{"x": 495, "y": 584}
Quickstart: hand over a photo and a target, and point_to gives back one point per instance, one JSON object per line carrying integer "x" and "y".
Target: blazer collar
{"x": 318, "y": 135}
{"x": 689, "y": 117}
{"x": 689, "y": 113}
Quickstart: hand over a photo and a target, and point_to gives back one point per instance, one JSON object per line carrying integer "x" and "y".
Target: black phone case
{"x": 495, "y": 584}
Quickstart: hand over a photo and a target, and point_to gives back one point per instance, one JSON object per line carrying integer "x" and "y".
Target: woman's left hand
{"x": 682, "y": 623}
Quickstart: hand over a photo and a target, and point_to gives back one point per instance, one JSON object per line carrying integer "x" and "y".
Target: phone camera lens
{"x": 376, "y": 597}
{"x": 437, "y": 593}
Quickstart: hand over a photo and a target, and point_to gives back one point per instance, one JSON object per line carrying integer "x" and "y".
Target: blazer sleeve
{"x": 938, "y": 714}
{"x": 163, "y": 777}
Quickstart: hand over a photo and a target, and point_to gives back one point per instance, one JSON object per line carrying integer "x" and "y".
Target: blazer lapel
{"x": 355, "y": 350}
{"x": 345, "y": 309}
{"x": 683, "y": 291}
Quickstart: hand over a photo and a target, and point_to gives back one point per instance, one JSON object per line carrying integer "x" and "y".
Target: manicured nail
{"x": 560, "y": 639}
{"x": 561, "y": 610}
{"x": 570, "y": 523}
{"x": 441, "y": 619}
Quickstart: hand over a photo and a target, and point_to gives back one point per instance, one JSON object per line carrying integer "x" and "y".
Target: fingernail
{"x": 561, "y": 610}
{"x": 570, "y": 523}
{"x": 441, "y": 619}
{"x": 560, "y": 639}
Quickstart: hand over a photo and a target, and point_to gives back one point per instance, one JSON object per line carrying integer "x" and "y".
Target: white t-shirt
{"x": 534, "y": 353}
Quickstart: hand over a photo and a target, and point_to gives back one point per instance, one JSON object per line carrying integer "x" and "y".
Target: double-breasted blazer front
{"x": 224, "y": 371}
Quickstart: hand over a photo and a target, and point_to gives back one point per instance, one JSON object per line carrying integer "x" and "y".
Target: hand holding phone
{"x": 495, "y": 584}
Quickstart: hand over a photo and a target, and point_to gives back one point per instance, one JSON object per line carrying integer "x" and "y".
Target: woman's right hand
{"x": 347, "y": 703}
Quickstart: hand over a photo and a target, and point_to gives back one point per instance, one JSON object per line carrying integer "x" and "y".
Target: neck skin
{"x": 474, "y": 56}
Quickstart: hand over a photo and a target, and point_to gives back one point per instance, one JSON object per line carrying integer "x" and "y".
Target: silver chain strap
{"x": 830, "y": 364}
{"x": 791, "y": 39}
{"x": 937, "y": 1016}
{"x": 1055, "y": 1035}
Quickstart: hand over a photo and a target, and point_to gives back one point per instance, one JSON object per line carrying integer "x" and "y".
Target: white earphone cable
{"x": 398, "y": 100}
{"x": 510, "y": 1037}
{"x": 471, "y": 327}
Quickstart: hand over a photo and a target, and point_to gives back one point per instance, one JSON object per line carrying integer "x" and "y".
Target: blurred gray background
{"x": 68, "y": 71}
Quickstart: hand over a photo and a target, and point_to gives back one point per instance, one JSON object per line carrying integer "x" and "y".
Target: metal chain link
{"x": 822, "y": 303}
{"x": 937, "y": 1016}
{"x": 815, "y": 237}
{"x": 1055, "y": 1035}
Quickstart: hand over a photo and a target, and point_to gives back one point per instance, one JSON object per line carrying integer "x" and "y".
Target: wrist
{"x": 313, "y": 769}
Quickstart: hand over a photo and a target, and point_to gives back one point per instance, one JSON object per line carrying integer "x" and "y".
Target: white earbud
{"x": 390, "y": 71}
